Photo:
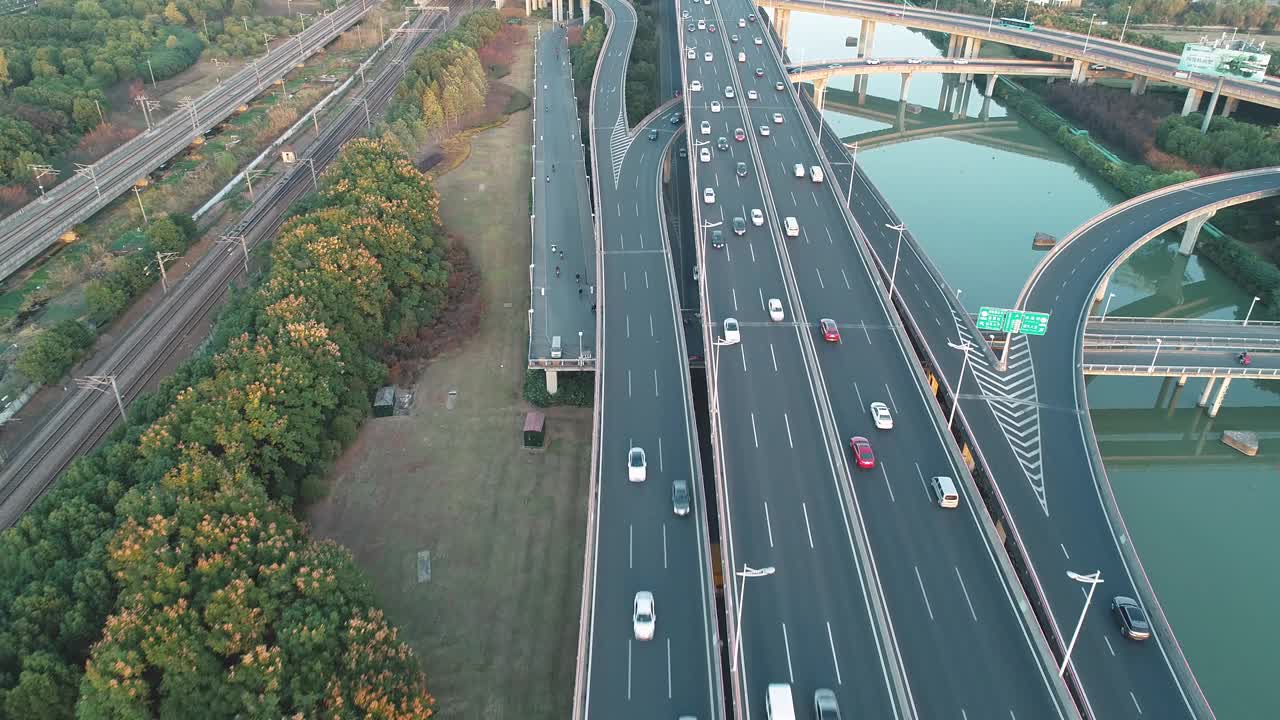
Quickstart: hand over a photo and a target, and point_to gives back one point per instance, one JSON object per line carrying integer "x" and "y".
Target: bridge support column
{"x": 962, "y": 101}
{"x": 553, "y": 385}
{"x": 1222, "y": 395}
{"x": 1101, "y": 293}
{"x": 820, "y": 91}
{"x": 1192, "y": 232}
{"x": 1182, "y": 380}
{"x": 586, "y": 11}
{"x": 1213, "y": 104}
{"x": 953, "y": 45}
{"x": 1192, "y": 102}
{"x": 1079, "y": 71}
{"x": 1208, "y": 390}
{"x": 867, "y": 38}
{"x": 782, "y": 24}
{"x": 1230, "y": 106}
{"x": 906, "y": 87}
{"x": 975, "y": 45}
{"x": 1139, "y": 86}
{"x": 991, "y": 84}
{"x": 528, "y": 8}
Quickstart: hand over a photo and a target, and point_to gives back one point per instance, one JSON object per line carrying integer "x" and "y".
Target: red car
{"x": 739, "y": 135}
{"x": 830, "y": 332}
{"x": 711, "y": 27}
{"x": 861, "y": 448}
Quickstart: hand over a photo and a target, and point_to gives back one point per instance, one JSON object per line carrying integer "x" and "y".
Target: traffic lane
{"x": 1155, "y": 359}
{"x": 785, "y": 511}
{"x": 1118, "y": 329}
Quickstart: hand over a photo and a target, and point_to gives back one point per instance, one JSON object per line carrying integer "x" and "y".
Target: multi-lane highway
{"x": 637, "y": 542}
{"x": 165, "y": 333}
{"x": 34, "y": 228}
{"x": 1114, "y": 55}
{"x": 897, "y": 605}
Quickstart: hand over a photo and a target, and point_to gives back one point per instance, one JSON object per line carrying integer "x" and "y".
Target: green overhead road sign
{"x": 1012, "y": 321}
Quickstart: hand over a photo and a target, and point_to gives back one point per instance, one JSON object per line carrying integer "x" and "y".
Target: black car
{"x": 1133, "y": 621}
{"x": 692, "y": 27}
{"x": 739, "y": 226}
{"x": 680, "y": 497}
{"x": 684, "y": 152}
{"x": 722, "y": 143}
{"x": 675, "y": 119}
{"x": 653, "y": 134}
{"x": 741, "y": 169}
{"x": 717, "y": 239}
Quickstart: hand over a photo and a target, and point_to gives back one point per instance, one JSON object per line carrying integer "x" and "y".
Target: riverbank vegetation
{"x": 165, "y": 570}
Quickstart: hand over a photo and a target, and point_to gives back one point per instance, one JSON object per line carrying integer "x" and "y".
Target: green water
{"x": 1200, "y": 514}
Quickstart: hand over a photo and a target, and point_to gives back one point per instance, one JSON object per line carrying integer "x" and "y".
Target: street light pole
{"x": 955, "y": 401}
{"x": 893, "y": 275}
{"x": 746, "y": 572}
{"x": 1126, "y": 23}
{"x": 1155, "y": 355}
{"x": 991, "y": 20}
{"x": 1089, "y": 36}
{"x": 1104, "y": 307}
{"x": 1250, "y": 313}
{"x": 1093, "y": 579}
{"x": 1025, "y": 7}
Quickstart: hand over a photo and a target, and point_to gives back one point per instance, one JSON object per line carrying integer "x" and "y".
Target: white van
{"x": 556, "y": 352}
{"x": 742, "y": 57}
{"x": 944, "y": 491}
{"x": 778, "y": 704}
{"x": 815, "y": 173}
{"x": 791, "y": 226}
{"x": 799, "y": 170}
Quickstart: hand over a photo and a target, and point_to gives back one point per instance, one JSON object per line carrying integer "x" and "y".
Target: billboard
{"x": 1221, "y": 62}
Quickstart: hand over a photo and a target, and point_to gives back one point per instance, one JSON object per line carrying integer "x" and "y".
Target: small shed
{"x": 384, "y": 403}
{"x": 1043, "y": 241}
{"x": 535, "y": 435}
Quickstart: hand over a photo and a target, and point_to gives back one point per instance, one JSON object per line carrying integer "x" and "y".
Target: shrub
{"x": 52, "y": 352}
{"x": 575, "y": 389}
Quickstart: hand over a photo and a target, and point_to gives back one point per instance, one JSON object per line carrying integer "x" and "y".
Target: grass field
{"x": 496, "y": 625}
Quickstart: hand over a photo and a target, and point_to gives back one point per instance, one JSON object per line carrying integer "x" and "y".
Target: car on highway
{"x": 697, "y": 273}
{"x": 684, "y": 14}
{"x": 728, "y": 92}
{"x": 759, "y": 72}
{"x": 775, "y": 309}
{"x": 722, "y": 143}
{"x": 742, "y": 22}
{"x": 758, "y": 41}
{"x": 709, "y": 195}
{"x": 644, "y": 616}
{"x": 708, "y": 57}
{"x": 777, "y": 118}
{"x": 881, "y": 417}
{"x": 704, "y": 154}
{"x": 711, "y": 27}
{"x": 739, "y": 226}
{"x": 741, "y": 169}
{"x": 704, "y": 127}
{"x": 742, "y": 57}
{"x": 692, "y": 28}
{"x": 914, "y": 61}
{"x": 757, "y": 217}
{"x": 733, "y": 38}
{"x": 732, "y": 335}
{"x": 779, "y": 86}
{"x": 798, "y": 170}
{"x": 715, "y": 106}
{"x": 825, "y": 706}
{"x": 636, "y": 465}
{"x": 872, "y": 61}
{"x": 1133, "y": 621}
{"x": 739, "y": 135}
{"x": 751, "y": 17}
{"x": 684, "y": 153}
{"x": 753, "y": 95}
{"x": 691, "y": 54}
{"x": 830, "y": 332}
{"x": 764, "y": 130}
{"x": 680, "y": 497}
{"x": 676, "y": 118}
{"x": 702, "y": 24}
{"x": 653, "y": 134}
{"x": 695, "y": 86}
{"x": 861, "y": 448}
{"x": 959, "y": 61}
{"x": 717, "y": 239}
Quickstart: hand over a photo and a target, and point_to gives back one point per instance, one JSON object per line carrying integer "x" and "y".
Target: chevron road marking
{"x": 619, "y": 141}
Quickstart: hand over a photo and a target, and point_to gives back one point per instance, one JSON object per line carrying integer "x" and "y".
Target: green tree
{"x": 4, "y": 70}
{"x": 174, "y": 16}
{"x": 46, "y": 689}
{"x": 52, "y": 352}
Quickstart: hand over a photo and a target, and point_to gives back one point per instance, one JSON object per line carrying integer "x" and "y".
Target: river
{"x": 1200, "y": 514}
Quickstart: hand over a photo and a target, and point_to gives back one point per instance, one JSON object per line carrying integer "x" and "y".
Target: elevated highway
{"x": 36, "y": 227}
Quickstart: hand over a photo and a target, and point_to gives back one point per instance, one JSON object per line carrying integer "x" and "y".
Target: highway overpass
{"x": 37, "y": 226}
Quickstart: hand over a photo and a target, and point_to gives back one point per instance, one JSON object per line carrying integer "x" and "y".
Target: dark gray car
{"x": 825, "y": 706}
{"x": 680, "y": 497}
{"x": 1133, "y": 621}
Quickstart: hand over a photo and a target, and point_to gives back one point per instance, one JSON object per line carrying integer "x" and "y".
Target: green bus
{"x": 1019, "y": 24}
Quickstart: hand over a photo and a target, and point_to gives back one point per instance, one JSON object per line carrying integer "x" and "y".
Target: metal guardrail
{"x": 1113, "y": 320}
{"x": 1180, "y": 371}
{"x": 1145, "y": 342}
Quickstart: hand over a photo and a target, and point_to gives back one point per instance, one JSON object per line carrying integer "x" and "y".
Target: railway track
{"x": 84, "y": 418}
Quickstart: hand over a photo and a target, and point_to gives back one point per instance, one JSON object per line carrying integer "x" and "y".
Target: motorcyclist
{"x": 557, "y": 271}
{"x": 1244, "y": 358}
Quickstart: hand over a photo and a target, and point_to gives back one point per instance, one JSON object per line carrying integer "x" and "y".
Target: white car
{"x": 914, "y": 61}
{"x": 691, "y": 54}
{"x": 758, "y": 41}
{"x": 732, "y": 335}
{"x": 753, "y": 95}
{"x": 709, "y": 195}
{"x": 636, "y": 465}
{"x": 757, "y": 217}
{"x": 715, "y": 106}
{"x": 777, "y": 118}
{"x": 880, "y": 414}
{"x": 962, "y": 61}
{"x": 728, "y": 92}
{"x": 702, "y": 24}
{"x": 704, "y": 127}
{"x": 872, "y": 61}
{"x": 764, "y": 130}
{"x": 707, "y": 57}
{"x": 798, "y": 170}
{"x": 644, "y": 616}
{"x": 704, "y": 154}
{"x": 742, "y": 57}
{"x": 775, "y": 309}
{"x": 742, "y": 22}
{"x": 695, "y": 86}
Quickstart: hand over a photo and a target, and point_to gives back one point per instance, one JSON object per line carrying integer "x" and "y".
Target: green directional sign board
{"x": 1012, "y": 321}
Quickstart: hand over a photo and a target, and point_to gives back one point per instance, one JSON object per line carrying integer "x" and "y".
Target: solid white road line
{"x": 835, "y": 659}
{"x": 734, "y": 293}
{"x": 923, "y": 594}
{"x": 891, "y": 401}
{"x": 859, "y": 393}
{"x": 629, "y": 325}
{"x": 808, "y": 530}
{"x": 846, "y": 280}
{"x": 668, "y": 668}
{"x": 786, "y": 643}
{"x": 1135, "y": 702}
{"x": 775, "y": 357}
{"x": 754, "y": 436}
{"x": 660, "y": 464}
{"x": 631, "y": 546}
{"x": 820, "y": 283}
{"x": 1108, "y": 641}
{"x": 655, "y": 382}
{"x": 767, "y": 524}
{"x": 787, "y": 420}
{"x": 744, "y": 361}
{"x": 1064, "y": 550}
{"x": 664, "y": 546}
{"x": 965, "y": 590}
{"x": 628, "y": 668}
{"x": 651, "y": 326}
{"x": 887, "y": 484}
{"x": 628, "y": 383}
{"x": 923, "y": 484}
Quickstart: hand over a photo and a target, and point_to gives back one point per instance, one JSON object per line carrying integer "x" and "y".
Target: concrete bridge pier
{"x": 1192, "y": 232}
{"x": 782, "y": 24}
{"x": 1230, "y": 106}
{"x": 1139, "y": 86}
{"x": 953, "y": 45}
{"x": 820, "y": 91}
{"x": 1079, "y": 71}
{"x": 586, "y": 11}
{"x": 1217, "y": 400}
{"x": 866, "y": 38}
{"x": 1177, "y": 393}
{"x": 1192, "y": 103}
{"x": 528, "y": 8}
{"x": 1101, "y": 293}
{"x": 1208, "y": 390}
{"x": 991, "y": 84}
{"x": 944, "y": 93}
{"x": 985, "y": 114}
{"x": 906, "y": 87}
{"x": 962, "y": 101}
{"x": 553, "y": 385}
{"x": 1162, "y": 397}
